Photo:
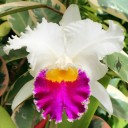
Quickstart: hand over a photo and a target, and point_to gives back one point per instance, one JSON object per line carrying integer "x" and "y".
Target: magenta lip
{"x": 54, "y": 98}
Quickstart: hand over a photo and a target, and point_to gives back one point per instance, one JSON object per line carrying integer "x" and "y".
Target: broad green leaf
{"x": 51, "y": 10}
{"x": 119, "y": 123}
{"x": 4, "y": 18}
{"x": 19, "y": 21}
{"x": 117, "y": 8}
{"x": 123, "y": 88}
{"x": 24, "y": 93}
{"x": 118, "y": 62}
{"x": 119, "y": 102}
{"x": 13, "y": 55}
{"x": 5, "y": 119}
{"x": 4, "y": 29}
{"x": 15, "y": 88}
{"x": 18, "y": 6}
{"x": 48, "y": 14}
{"x": 25, "y": 115}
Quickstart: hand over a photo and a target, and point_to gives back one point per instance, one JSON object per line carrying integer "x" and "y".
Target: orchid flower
{"x": 65, "y": 63}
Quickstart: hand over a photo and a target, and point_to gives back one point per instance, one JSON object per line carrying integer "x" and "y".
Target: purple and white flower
{"x": 65, "y": 62}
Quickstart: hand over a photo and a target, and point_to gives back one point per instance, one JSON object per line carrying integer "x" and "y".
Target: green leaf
{"x": 19, "y": 21}
{"x": 115, "y": 82}
{"x": 2, "y": 1}
{"x": 118, "y": 62}
{"x": 5, "y": 119}
{"x": 117, "y": 8}
{"x": 14, "y": 7}
{"x": 4, "y": 29}
{"x": 24, "y": 93}
{"x": 119, "y": 102}
{"x": 13, "y": 54}
{"x": 25, "y": 115}
{"x": 119, "y": 123}
{"x": 48, "y": 14}
{"x": 20, "y": 82}
{"x": 51, "y": 10}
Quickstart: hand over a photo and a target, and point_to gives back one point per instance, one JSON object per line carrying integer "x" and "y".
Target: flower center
{"x": 59, "y": 75}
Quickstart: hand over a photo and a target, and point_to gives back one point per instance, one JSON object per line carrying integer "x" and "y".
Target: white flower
{"x": 78, "y": 43}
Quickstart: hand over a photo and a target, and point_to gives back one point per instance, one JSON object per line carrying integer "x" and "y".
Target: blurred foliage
{"x": 25, "y": 114}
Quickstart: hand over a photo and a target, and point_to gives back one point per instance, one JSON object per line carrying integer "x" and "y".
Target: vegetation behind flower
{"x": 17, "y": 16}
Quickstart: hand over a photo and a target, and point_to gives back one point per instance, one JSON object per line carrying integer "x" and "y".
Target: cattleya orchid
{"x": 65, "y": 62}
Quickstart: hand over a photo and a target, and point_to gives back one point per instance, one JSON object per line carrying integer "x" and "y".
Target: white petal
{"x": 92, "y": 66}
{"x": 72, "y": 14}
{"x": 99, "y": 92}
{"x": 45, "y": 44}
{"x": 24, "y": 93}
{"x": 88, "y": 37}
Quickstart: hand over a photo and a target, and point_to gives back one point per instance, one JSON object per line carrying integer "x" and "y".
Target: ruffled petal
{"x": 99, "y": 92}
{"x": 86, "y": 37}
{"x": 44, "y": 44}
{"x": 72, "y": 14}
{"x": 53, "y": 97}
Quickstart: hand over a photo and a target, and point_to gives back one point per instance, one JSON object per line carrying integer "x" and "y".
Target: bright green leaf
{"x": 119, "y": 123}
{"x": 4, "y": 29}
{"x": 5, "y": 119}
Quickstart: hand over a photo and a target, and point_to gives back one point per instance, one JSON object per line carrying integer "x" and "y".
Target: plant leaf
{"x": 25, "y": 115}
{"x": 20, "y": 82}
{"x": 5, "y": 119}
{"x": 4, "y": 29}
{"x": 24, "y": 93}
{"x": 119, "y": 123}
{"x": 19, "y": 6}
{"x": 51, "y": 10}
{"x": 118, "y": 62}
{"x": 117, "y": 8}
{"x": 13, "y": 54}
{"x": 119, "y": 102}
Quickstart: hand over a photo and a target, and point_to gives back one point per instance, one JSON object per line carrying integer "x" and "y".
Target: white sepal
{"x": 100, "y": 93}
